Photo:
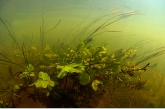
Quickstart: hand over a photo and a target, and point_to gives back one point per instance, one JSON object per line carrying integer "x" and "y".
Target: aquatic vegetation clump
{"x": 28, "y": 74}
{"x": 71, "y": 68}
{"x": 74, "y": 72}
{"x": 44, "y": 82}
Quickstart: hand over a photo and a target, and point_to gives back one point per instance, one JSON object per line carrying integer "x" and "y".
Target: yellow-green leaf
{"x": 95, "y": 84}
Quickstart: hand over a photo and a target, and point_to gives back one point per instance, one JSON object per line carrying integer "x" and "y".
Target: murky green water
{"x": 137, "y": 23}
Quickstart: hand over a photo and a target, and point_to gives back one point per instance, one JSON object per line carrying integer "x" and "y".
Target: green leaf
{"x": 84, "y": 79}
{"x": 44, "y": 84}
{"x": 62, "y": 74}
{"x": 85, "y": 52}
{"x": 23, "y": 74}
{"x": 40, "y": 83}
{"x": 71, "y": 68}
{"x": 26, "y": 74}
{"x": 32, "y": 74}
{"x": 47, "y": 94}
{"x": 43, "y": 81}
{"x": 92, "y": 74}
{"x": 37, "y": 84}
{"x": 95, "y": 84}
{"x": 52, "y": 83}
{"x": 16, "y": 87}
{"x": 29, "y": 68}
{"x": 49, "y": 88}
{"x": 43, "y": 76}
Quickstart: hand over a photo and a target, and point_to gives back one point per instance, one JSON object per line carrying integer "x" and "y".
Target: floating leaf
{"x": 84, "y": 79}
{"x": 95, "y": 84}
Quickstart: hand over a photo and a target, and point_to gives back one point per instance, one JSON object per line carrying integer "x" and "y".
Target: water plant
{"x": 44, "y": 82}
{"x": 77, "y": 71}
{"x": 95, "y": 84}
{"x": 28, "y": 73}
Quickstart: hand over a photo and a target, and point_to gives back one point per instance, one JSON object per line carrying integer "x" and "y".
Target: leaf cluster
{"x": 28, "y": 72}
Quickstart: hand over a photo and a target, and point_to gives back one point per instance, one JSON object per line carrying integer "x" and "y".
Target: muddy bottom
{"x": 107, "y": 98}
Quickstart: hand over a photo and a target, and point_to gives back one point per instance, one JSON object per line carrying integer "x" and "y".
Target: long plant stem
{"x": 8, "y": 60}
{"x": 43, "y": 33}
{"x": 105, "y": 24}
{"x": 10, "y": 33}
{"x": 54, "y": 26}
{"x": 11, "y": 62}
{"x": 24, "y": 54}
{"x": 151, "y": 56}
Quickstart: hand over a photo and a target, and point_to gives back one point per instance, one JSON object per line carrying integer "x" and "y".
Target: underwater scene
{"x": 82, "y": 53}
